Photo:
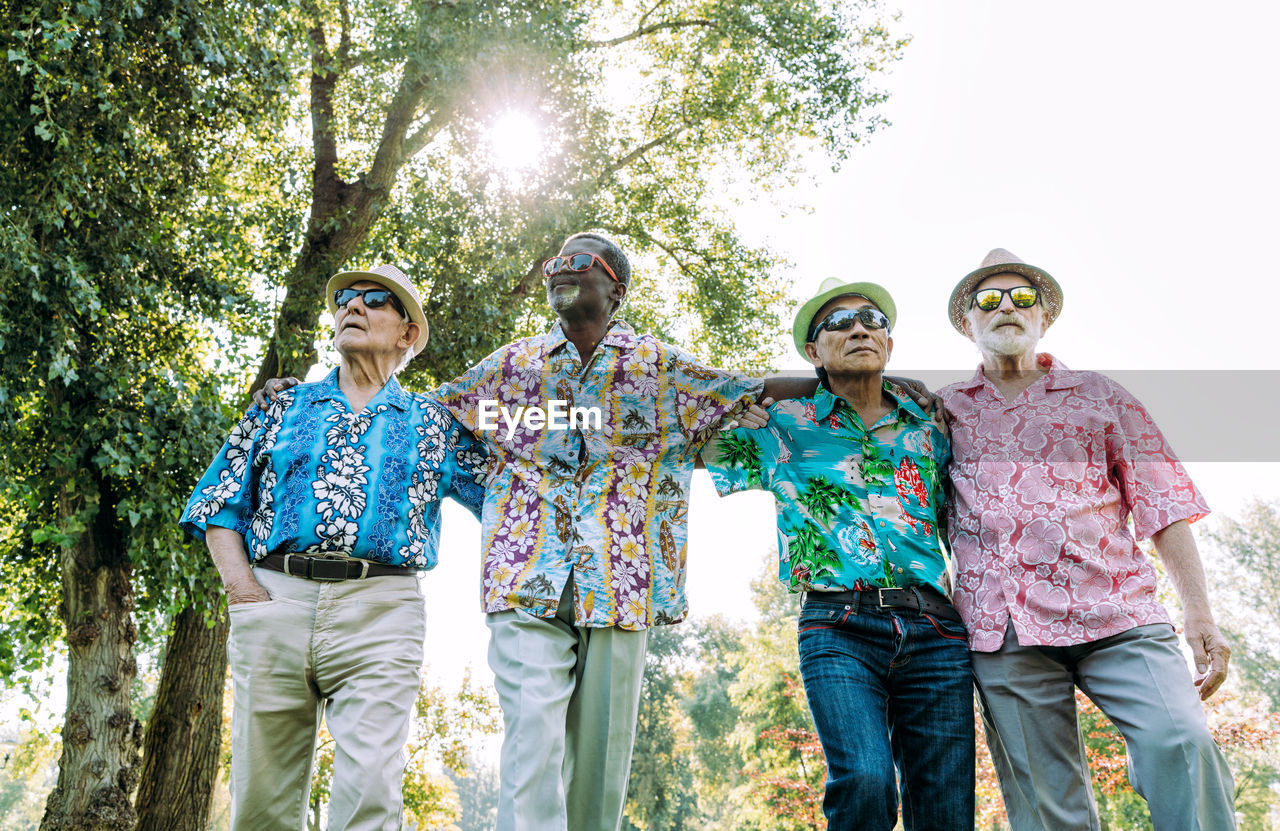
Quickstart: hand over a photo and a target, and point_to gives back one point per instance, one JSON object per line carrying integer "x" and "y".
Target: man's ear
{"x": 967, "y": 325}
{"x": 812, "y": 351}
{"x": 412, "y": 331}
{"x": 889, "y": 351}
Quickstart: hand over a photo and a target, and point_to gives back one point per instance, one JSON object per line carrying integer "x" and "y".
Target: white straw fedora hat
{"x": 1001, "y": 261}
{"x": 392, "y": 278}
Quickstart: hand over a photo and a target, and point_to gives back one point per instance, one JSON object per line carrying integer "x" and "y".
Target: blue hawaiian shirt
{"x": 308, "y": 476}
{"x": 857, "y": 508}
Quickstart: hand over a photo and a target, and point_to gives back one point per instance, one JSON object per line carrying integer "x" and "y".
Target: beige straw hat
{"x": 1001, "y": 261}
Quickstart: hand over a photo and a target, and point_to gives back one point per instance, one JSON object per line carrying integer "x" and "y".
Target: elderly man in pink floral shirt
{"x": 1049, "y": 465}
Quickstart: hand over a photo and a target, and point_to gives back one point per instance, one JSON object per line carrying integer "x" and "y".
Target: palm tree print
{"x": 821, "y": 498}
{"x": 811, "y": 557}
{"x": 743, "y": 452}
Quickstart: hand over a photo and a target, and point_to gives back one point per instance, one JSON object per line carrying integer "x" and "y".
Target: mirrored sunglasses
{"x": 845, "y": 318}
{"x": 581, "y": 261}
{"x": 1024, "y": 297}
{"x": 372, "y": 298}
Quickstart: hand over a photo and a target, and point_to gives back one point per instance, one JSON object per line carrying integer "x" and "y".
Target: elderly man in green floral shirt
{"x": 856, "y": 470}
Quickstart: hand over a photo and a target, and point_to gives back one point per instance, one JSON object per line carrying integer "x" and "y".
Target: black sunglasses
{"x": 845, "y": 318}
{"x": 373, "y": 298}
{"x": 1024, "y": 297}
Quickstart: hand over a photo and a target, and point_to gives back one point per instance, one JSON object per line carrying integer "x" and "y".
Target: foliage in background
{"x": 725, "y": 739}
{"x": 444, "y": 727}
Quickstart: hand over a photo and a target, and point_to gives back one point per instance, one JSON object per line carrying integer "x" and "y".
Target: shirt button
{"x": 899, "y": 569}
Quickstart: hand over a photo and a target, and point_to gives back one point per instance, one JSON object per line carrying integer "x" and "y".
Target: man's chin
{"x": 1008, "y": 344}
{"x": 562, "y": 299}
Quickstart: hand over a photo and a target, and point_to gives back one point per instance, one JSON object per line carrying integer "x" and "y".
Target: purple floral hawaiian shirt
{"x": 605, "y": 502}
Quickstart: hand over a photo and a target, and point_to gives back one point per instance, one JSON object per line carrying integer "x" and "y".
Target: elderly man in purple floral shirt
{"x": 584, "y": 532}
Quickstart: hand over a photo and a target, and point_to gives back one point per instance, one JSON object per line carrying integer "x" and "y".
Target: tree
{"x": 109, "y": 112}
{"x": 660, "y": 791}
{"x": 477, "y": 789}
{"x": 440, "y": 735}
{"x": 1247, "y": 568}
{"x": 775, "y": 733}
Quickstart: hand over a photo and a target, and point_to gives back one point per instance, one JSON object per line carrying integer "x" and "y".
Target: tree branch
{"x": 641, "y": 150}
{"x": 648, "y": 30}
{"x": 650, "y": 238}
{"x": 344, "y": 42}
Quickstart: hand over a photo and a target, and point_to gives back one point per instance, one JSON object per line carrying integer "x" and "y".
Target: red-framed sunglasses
{"x": 582, "y": 261}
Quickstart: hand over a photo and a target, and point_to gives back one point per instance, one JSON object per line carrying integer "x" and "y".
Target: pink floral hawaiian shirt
{"x": 1044, "y": 488}
{"x": 606, "y": 502}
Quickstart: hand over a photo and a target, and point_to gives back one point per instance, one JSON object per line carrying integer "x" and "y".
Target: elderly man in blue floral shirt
{"x": 857, "y": 472}
{"x": 320, "y": 512}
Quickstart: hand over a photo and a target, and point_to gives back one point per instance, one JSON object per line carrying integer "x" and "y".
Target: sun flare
{"x": 514, "y": 142}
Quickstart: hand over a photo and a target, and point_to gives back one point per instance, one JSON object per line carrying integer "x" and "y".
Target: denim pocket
{"x": 820, "y": 615}
{"x": 950, "y": 629}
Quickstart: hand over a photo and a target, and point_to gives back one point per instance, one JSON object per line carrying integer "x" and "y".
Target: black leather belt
{"x": 329, "y": 569}
{"x": 926, "y": 601}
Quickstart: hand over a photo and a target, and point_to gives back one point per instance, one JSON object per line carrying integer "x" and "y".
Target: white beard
{"x": 561, "y": 300}
{"x": 1008, "y": 341}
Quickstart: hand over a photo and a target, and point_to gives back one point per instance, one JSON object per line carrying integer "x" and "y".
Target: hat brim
{"x": 877, "y": 294}
{"x": 1050, "y": 291}
{"x": 345, "y": 279}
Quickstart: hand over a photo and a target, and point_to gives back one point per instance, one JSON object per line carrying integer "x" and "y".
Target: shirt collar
{"x": 824, "y": 401}
{"x": 619, "y": 334}
{"x": 1058, "y": 377}
{"x": 391, "y": 393}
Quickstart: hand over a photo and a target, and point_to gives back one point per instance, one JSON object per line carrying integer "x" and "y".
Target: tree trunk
{"x": 184, "y": 734}
{"x": 100, "y": 737}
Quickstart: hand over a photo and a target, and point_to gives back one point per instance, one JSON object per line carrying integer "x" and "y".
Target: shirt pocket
{"x": 633, "y": 419}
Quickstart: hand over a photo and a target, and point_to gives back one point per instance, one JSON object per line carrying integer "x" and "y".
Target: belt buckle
{"x": 880, "y": 597}
{"x": 326, "y": 569}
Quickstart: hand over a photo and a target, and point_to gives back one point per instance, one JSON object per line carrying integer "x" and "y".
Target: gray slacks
{"x": 1139, "y": 680}
{"x": 570, "y": 696}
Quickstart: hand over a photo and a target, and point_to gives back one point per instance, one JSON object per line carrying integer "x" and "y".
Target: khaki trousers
{"x": 350, "y": 651}
{"x": 1139, "y": 680}
{"x": 570, "y": 697}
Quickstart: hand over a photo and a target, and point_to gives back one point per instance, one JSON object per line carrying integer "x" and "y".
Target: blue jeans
{"x": 890, "y": 687}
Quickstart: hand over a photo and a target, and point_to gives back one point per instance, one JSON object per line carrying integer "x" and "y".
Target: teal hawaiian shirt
{"x": 857, "y": 508}
{"x": 309, "y": 476}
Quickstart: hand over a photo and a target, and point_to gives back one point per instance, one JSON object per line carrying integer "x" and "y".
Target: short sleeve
{"x": 469, "y": 463}
{"x": 1156, "y": 487}
{"x": 224, "y": 495}
{"x": 463, "y": 394}
{"x": 705, "y": 396}
{"x": 741, "y": 459}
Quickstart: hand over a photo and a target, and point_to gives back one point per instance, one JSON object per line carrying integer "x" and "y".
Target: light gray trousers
{"x": 1139, "y": 680}
{"x": 351, "y": 650}
{"x": 570, "y": 696}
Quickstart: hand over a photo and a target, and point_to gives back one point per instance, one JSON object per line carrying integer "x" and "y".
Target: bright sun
{"x": 515, "y": 142}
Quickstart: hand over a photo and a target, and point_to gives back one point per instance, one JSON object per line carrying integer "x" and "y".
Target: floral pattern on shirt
{"x": 308, "y": 476}
{"x": 607, "y": 505}
{"x": 1044, "y": 489}
{"x": 857, "y": 508}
